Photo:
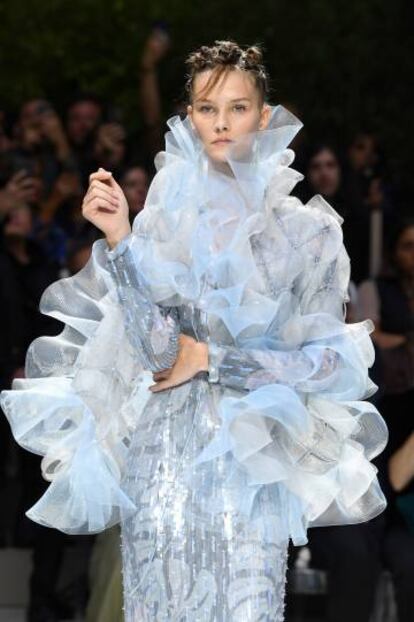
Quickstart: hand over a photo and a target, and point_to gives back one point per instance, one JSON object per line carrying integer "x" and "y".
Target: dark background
{"x": 344, "y": 65}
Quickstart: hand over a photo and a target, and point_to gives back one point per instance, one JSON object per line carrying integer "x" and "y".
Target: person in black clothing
{"x": 351, "y": 554}
{"x": 327, "y": 174}
{"x": 24, "y": 274}
{"x": 324, "y": 175}
{"x": 355, "y": 555}
{"x": 389, "y": 300}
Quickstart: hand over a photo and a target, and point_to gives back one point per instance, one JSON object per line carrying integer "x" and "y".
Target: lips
{"x": 222, "y": 141}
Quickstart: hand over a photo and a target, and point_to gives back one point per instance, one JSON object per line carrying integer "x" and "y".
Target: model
{"x": 253, "y": 425}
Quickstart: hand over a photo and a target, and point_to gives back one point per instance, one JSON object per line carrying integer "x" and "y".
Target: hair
{"x": 225, "y": 56}
{"x": 396, "y": 232}
{"x": 81, "y": 97}
{"x": 316, "y": 148}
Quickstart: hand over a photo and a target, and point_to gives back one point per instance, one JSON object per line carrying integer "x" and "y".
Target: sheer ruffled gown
{"x": 209, "y": 479}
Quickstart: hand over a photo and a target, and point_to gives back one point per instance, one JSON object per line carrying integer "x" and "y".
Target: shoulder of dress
{"x": 310, "y": 226}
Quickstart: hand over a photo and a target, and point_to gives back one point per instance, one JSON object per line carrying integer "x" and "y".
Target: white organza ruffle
{"x": 79, "y": 403}
{"x": 270, "y": 274}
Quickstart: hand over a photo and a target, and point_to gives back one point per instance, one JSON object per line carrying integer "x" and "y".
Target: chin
{"x": 219, "y": 154}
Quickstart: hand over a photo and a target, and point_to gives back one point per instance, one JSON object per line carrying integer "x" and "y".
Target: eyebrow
{"x": 237, "y": 99}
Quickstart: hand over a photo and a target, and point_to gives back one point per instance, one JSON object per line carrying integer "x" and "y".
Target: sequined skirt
{"x": 181, "y": 561}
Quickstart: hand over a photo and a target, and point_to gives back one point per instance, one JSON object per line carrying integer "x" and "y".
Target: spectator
{"x": 371, "y": 196}
{"x": 134, "y": 183}
{"x": 40, "y": 136}
{"x": 84, "y": 115}
{"x": 78, "y": 255}
{"x": 351, "y": 554}
{"x": 389, "y": 301}
{"x": 110, "y": 147}
{"x": 24, "y": 274}
{"x": 324, "y": 175}
{"x": 155, "y": 49}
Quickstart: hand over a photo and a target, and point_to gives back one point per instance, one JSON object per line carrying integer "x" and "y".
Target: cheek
{"x": 403, "y": 258}
{"x": 202, "y": 127}
{"x": 246, "y": 123}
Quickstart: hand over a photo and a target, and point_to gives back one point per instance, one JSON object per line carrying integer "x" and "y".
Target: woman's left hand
{"x": 192, "y": 358}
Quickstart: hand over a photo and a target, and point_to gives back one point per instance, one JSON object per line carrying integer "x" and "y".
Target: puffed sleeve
{"x": 294, "y": 410}
{"x": 85, "y": 388}
{"x": 317, "y": 353}
{"x": 152, "y": 329}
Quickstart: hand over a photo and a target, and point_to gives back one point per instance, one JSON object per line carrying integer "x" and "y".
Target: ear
{"x": 190, "y": 115}
{"x": 264, "y": 116}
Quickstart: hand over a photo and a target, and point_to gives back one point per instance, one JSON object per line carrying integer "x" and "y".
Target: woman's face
{"x": 363, "y": 152}
{"x": 404, "y": 252}
{"x": 231, "y": 108}
{"x": 135, "y": 186}
{"x": 324, "y": 173}
{"x": 19, "y": 222}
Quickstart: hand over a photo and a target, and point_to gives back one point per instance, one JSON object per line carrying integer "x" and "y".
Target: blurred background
{"x": 88, "y": 83}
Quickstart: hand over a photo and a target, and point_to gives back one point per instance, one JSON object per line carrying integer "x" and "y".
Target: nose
{"x": 221, "y": 123}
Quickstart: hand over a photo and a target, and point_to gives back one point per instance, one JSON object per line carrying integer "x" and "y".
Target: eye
{"x": 205, "y": 108}
{"x": 240, "y": 107}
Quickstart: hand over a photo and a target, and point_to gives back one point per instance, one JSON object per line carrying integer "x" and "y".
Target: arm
{"x": 155, "y": 49}
{"x": 330, "y": 356}
{"x": 309, "y": 368}
{"x": 151, "y": 329}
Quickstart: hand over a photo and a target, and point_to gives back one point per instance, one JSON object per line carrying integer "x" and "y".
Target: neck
{"x": 221, "y": 167}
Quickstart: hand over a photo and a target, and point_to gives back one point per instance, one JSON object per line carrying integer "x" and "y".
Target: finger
{"x": 100, "y": 174}
{"x": 97, "y": 204}
{"x": 161, "y": 375}
{"x": 105, "y": 176}
{"x": 96, "y": 183}
{"x": 163, "y": 372}
{"x": 160, "y": 386}
{"x": 165, "y": 384}
{"x": 114, "y": 184}
{"x": 103, "y": 188}
{"x": 97, "y": 193}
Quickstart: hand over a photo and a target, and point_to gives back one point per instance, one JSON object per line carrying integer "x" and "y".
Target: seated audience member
{"x": 25, "y": 272}
{"x": 324, "y": 175}
{"x": 389, "y": 301}
{"x": 134, "y": 182}
{"x": 351, "y": 554}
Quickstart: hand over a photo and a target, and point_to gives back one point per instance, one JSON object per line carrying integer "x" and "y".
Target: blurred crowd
{"x": 46, "y": 158}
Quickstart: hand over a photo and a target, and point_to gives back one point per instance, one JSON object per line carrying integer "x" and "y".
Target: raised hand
{"x": 105, "y": 206}
{"x": 155, "y": 48}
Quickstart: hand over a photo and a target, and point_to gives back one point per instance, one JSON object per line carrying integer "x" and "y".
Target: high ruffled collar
{"x": 254, "y": 158}
{"x": 198, "y": 221}
{"x": 253, "y": 148}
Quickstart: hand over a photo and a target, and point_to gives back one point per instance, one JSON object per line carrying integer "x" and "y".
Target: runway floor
{"x": 11, "y": 615}
{"x": 17, "y": 614}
